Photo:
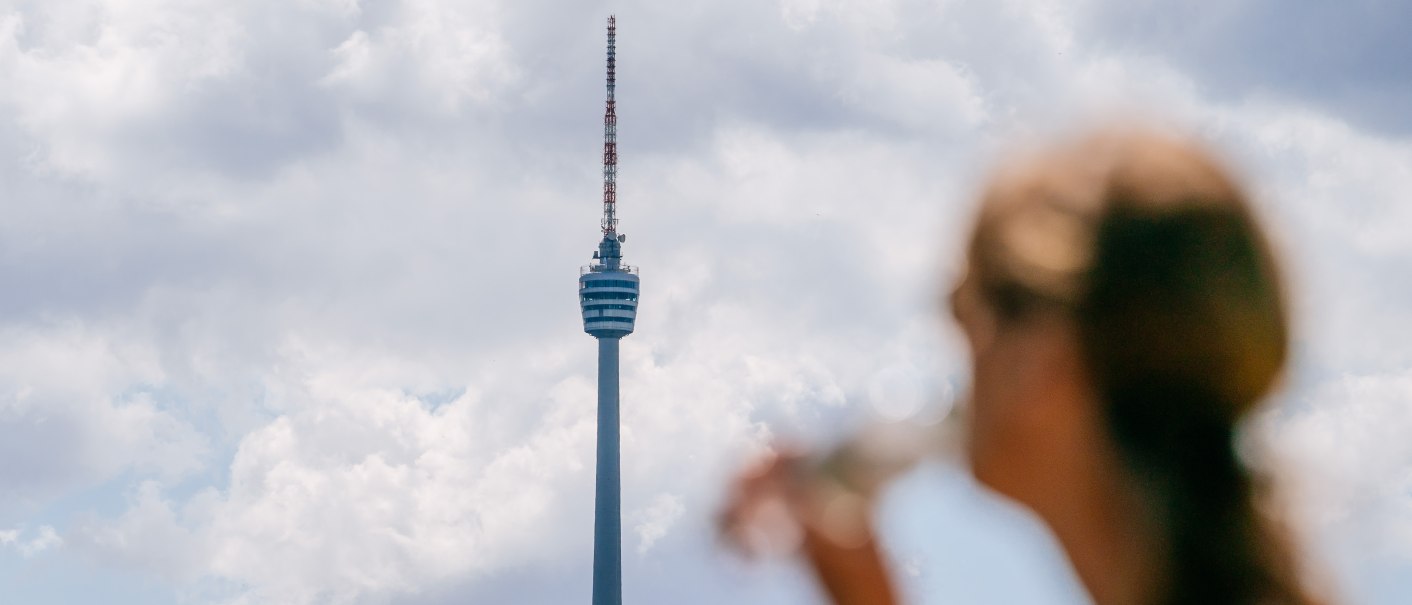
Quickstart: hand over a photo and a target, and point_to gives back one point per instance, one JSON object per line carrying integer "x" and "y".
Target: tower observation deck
{"x": 608, "y": 292}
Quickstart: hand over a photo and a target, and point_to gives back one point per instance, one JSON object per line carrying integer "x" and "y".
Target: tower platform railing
{"x": 586, "y": 269}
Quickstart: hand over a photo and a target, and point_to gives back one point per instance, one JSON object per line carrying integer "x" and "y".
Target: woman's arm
{"x": 822, "y": 508}
{"x": 851, "y": 574}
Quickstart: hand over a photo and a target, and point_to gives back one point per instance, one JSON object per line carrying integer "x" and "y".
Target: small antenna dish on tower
{"x": 622, "y": 237}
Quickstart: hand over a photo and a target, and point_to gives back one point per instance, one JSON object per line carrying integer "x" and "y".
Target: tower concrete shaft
{"x": 607, "y": 510}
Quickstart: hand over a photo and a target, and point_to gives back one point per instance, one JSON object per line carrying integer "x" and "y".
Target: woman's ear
{"x": 975, "y": 318}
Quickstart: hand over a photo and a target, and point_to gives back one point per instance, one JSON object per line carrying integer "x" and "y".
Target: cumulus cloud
{"x": 80, "y": 408}
{"x": 292, "y": 283}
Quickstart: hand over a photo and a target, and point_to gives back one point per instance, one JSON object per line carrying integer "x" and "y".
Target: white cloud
{"x": 1354, "y": 462}
{"x": 79, "y": 408}
{"x": 655, "y": 520}
{"x": 43, "y": 539}
{"x": 297, "y": 279}
{"x": 149, "y": 537}
{"x": 431, "y": 56}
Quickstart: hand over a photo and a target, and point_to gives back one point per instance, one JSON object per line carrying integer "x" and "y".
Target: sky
{"x": 289, "y": 309}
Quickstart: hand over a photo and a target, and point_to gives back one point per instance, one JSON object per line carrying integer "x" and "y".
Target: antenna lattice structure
{"x": 610, "y": 139}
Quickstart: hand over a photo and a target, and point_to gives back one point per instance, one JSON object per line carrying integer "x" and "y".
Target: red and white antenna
{"x": 610, "y": 144}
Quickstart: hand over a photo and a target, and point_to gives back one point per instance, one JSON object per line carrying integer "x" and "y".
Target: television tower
{"x": 608, "y": 297}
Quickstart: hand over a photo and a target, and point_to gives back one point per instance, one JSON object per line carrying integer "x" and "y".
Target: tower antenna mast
{"x": 610, "y": 141}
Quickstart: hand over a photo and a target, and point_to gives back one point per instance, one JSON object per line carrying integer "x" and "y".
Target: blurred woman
{"x": 1124, "y": 313}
